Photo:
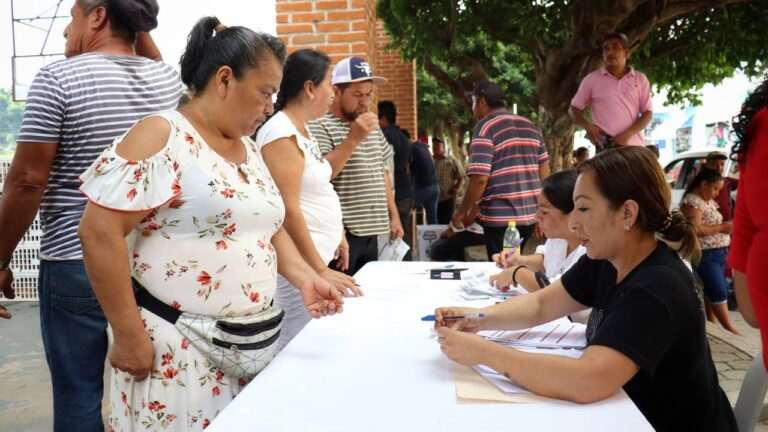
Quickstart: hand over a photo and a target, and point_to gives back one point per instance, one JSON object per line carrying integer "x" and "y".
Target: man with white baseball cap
{"x": 350, "y": 138}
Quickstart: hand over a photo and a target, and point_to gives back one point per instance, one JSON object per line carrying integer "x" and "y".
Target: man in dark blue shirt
{"x": 401, "y": 145}
{"x": 426, "y": 189}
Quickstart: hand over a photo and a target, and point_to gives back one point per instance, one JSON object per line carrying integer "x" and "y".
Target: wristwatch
{"x": 4, "y": 264}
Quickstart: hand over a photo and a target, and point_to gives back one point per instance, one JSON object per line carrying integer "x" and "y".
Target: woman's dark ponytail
{"x": 301, "y": 66}
{"x": 195, "y": 50}
{"x": 680, "y": 232}
{"x": 211, "y": 45}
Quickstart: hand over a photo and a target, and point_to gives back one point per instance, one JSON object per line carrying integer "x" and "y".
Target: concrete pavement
{"x": 25, "y": 399}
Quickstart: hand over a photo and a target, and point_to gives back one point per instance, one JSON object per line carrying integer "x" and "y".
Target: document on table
{"x": 477, "y": 285}
{"x": 508, "y": 386}
{"x": 557, "y": 334}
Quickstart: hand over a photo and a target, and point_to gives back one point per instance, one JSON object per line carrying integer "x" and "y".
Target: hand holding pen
{"x": 508, "y": 257}
{"x": 457, "y": 318}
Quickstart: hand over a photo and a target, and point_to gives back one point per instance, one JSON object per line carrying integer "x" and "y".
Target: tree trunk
{"x": 557, "y": 129}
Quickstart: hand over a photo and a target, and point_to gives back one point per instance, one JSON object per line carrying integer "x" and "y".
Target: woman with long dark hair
{"x": 303, "y": 175}
{"x": 749, "y": 245}
{"x": 646, "y": 333}
{"x": 699, "y": 205}
{"x": 563, "y": 246}
{"x": 209, "y": 240}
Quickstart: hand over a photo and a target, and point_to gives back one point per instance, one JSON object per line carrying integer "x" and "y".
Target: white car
{"x": 684, "y": 167}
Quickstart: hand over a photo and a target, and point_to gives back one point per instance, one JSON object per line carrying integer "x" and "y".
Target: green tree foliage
{"x": 539, "y": 50}
{"x": 10, "y": 120}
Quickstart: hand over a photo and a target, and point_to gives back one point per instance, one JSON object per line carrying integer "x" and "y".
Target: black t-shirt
{"x": 655, "y": 316}
{"x": 422, "y": 166}
{"x": 401, "y": 145}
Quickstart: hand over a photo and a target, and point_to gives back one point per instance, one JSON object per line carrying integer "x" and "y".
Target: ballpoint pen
{"x": 453, "y": 317}
{"x": 514, "y": 247}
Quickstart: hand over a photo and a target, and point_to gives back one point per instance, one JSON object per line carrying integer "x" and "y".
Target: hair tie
{"x": 667, "y": 222}
{"x": 220, "y": 28}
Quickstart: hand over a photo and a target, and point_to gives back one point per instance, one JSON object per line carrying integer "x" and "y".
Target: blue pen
{"x": 453, "y": 317}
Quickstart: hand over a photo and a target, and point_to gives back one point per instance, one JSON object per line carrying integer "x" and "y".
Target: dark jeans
{"x": 427, "y": 197}
{"x": 494, "y": 237}
{"x": 362, "y": 250}
{"x": 712, "y": 272}
{"x": 452, "y": 249}
{"x": 75, "y": 341}
{"x": 445, "y": 211}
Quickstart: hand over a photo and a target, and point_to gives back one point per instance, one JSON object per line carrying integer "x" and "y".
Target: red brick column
{"x": 401, "y": 88}
{"x": 343, "y": 28}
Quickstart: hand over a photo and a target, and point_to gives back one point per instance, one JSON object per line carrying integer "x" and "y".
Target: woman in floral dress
{"x": 209, "y": 239}
{"x": 699, "y": 205}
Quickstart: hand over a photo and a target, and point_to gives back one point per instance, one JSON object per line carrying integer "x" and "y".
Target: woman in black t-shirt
{"x": 646, "y": 332}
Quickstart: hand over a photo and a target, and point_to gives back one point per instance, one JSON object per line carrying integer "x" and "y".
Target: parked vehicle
{"x": 681, "y": 170}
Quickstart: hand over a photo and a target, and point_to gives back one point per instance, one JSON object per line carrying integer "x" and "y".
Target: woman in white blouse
{"x": 563, "y": 247}
{"x": 303, "y": 175}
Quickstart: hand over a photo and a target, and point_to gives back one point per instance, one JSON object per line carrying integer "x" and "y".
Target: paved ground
{"x": 25, "y": 400}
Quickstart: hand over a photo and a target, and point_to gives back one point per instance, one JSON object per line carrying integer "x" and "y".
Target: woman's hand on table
{"x": 321, "y": 298}
{"x": 443, "y": 319}
{"x": 463, "y": 348}
{"x": 133, "y": 354}
{"x": 502, "y": 280}
{"x": 344, "y": 283}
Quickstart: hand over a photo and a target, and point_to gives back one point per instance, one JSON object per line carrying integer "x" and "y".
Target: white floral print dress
{"x": 204, "y": 248}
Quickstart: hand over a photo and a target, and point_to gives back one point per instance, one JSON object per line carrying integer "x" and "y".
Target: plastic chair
{"x": 752, "y": 395}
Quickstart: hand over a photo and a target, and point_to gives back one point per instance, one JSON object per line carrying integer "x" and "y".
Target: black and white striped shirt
{"x": 360, "y": 184}
{"x": 84, "y": 103}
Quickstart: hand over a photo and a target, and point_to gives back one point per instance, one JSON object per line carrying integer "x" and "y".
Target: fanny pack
{"x": 238, "y": 346}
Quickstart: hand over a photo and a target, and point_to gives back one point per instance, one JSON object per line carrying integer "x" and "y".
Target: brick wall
{"x": 401, "y": 88}
{"x": 343, "y": 28}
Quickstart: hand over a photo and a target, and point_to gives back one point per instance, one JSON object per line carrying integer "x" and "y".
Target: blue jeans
{"x": 427, "y": 197}
{"x": 75, "y": 340}
{"x": 712, "y": 272}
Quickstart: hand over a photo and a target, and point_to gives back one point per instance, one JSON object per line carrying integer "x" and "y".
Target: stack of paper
{"x": 477, "y": 285}
{"x": 558, "y": 337}
{"x": 557, "y": 334}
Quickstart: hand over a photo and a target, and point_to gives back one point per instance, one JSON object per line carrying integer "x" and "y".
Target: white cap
{"x": 354, "y": 69}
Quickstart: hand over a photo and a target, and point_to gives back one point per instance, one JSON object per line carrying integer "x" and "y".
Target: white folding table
{"x": 377, "y": 367}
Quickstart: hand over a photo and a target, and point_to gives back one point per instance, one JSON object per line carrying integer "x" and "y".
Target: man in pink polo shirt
{"x": 618, "y": 96}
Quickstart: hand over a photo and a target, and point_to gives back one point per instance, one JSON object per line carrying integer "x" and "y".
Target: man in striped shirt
{"x": 75, "y": 108}
{"x": 507, "y": 162}
{"x": 350, "y": 138}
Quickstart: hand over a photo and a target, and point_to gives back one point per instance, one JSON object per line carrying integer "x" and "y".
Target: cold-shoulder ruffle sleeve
{"x": 118, "y": 184}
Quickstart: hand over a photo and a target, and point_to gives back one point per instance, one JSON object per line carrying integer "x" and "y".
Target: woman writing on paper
{"x": 209, "y": 241}
{"x": 563, "y": 247}
{"x": 646, "y": 332}
{"x": 303, "y": 175}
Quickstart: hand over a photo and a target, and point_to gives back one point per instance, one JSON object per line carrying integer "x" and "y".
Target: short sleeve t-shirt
{"x": 557, "y": 260}
{"x": 655, "y": 316}
{"x": 710, "y": 215}
{"x": 360, "y": 184}
{"x": 84, "y": 103}
{"x": 616, "y": 103}
{"x": 318, "y": 201}
{"x": 509, "y": 150}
